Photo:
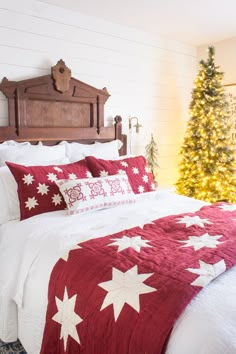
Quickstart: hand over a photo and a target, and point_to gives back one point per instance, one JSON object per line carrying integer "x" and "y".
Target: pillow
{"x": 136, "y": 168}
{"x": 31, "y": 154}
{"x": 14, "y": 143}
{"x": 77, "y": 151}
{"x": 106, "y": 151}
{"x": 37, "y": 190}
{"x": 91, "y": 194}
{"x": 9, "y": 202}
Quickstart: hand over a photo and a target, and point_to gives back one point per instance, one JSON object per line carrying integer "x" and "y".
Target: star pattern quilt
{"x": 122, "y": 293}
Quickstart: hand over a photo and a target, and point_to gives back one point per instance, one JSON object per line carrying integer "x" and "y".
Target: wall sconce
{"x": 136, "y": 126}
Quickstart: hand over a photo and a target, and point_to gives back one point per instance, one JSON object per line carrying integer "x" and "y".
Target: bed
{"x": 102, "y": 217}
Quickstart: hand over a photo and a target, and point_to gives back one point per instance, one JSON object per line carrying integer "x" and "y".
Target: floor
{"x": 12, "y": 348}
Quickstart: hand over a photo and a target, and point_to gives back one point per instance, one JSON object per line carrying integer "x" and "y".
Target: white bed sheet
{"x": 34, "y": 245}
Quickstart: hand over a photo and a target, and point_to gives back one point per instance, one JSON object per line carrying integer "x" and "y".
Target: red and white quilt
{"x": 122, "y": 293}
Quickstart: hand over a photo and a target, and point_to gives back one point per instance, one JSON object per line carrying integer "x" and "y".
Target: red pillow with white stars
{"x": 140, "y": 179}
{"x": 38, "y": 193}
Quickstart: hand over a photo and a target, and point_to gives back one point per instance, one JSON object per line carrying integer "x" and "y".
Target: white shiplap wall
{"x": 149, "y": 77}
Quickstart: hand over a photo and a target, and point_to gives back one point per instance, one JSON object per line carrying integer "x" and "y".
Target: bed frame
{"x": 57, "y": 107}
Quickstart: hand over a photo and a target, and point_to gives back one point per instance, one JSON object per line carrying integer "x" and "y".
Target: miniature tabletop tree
{"x": 151, "y": 156}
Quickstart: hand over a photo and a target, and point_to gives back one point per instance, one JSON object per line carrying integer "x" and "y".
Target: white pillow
{"x": 64, "y": 161}
{"x": 31, "y": 154}
{"x": 14, "y": 143}
{"x": 106, "y": 151}
{"x": 9, "y": 202}
{"x": 89, "y": 194}
{"x": 76, "y": 151}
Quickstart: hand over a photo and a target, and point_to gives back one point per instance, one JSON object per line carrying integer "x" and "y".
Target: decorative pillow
{"x": 37, "y": 190}
{"x": 91, "y": 194}
{"x": 31, "y": 154}
{"x": 140, "y": 178}
{"x": 77, "y": 151}
{"x": 9, "y": 202}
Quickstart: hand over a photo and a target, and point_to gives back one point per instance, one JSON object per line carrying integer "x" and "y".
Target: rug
{"x": 11, "y": 348}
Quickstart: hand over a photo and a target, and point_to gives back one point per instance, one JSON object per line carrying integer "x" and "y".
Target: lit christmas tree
{"x": 207, "y": 156}
{"x": 151, "y": 156}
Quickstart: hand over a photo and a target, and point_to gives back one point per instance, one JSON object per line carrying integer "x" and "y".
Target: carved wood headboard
{"x": 57, "y": 107}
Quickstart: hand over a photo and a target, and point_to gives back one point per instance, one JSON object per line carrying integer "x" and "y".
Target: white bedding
{"x": 30, "y": 248}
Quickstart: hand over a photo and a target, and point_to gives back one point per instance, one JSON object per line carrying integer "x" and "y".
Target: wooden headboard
{"x": 57, "y": 107}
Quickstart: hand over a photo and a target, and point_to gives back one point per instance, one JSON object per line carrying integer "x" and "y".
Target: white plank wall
{"x": 147, "y": 76}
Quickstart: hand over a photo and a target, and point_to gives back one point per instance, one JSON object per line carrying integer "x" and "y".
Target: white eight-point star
{"x": 42, "y": 188}
{"x": 207, "y": 272}
{"x": 129, "y": 242}
{"x": 28, "y": 179}
{"x": 198, "y": 242}
{"x": 141, "y": 189}
{"x": 125, "y": 288}
{"x": 52, "y": 177}
{"x": 58, "y": 169}
{"x": 72, "y": 176}
{"x": 145, "y": 178}
{"x": 228, "y": 207}
{"x": 193, "y": 220}
{"x": 31, "y": 203}
{"x": 88, "y": 174}
{"x": 135, "y": 170}
{"x": 124, "y": 164}
{"x": 56, "y": 199}
{"x": 103, "y": 173}
{"x": 67, "y": 318}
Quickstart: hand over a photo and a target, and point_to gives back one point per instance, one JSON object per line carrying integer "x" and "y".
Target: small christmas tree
{"x": 151, "y": 156}
{"x": 207, "y": 168}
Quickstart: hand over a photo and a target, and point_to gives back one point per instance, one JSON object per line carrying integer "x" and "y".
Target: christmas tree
{"x": 151, "y": 156}
{"x": 207, "y": 156}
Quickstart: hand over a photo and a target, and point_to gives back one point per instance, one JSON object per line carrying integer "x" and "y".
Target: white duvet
{"x": 30, "y": 248}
